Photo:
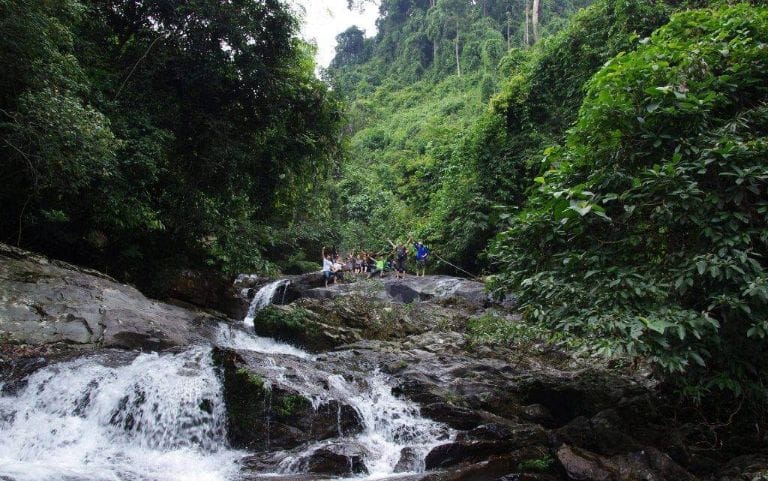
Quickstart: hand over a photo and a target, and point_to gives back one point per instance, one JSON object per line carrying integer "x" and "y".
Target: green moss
{"x": 537, "y": 465}
{"x": 273, "y": 317}
{"x": 251, "y": 378}
{"x": 288, "y": 405}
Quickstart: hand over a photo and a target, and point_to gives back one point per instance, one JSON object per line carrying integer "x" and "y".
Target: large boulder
{"x": 411, "y": 289}
{"x": 43, "y": 301}
{"x": 267, "y": 412}
{"x": 451, "y": 454}
{"x": 648, "y": 464}
{"x": 323, "y": 324}
{"x": 336, "y": 459}
{"x": 499, "y": 467}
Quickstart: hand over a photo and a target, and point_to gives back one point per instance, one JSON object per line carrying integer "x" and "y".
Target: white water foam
{"x": 390, "y": 425}
{"x": 158, "y": 418}
{"x": 263, "y": 298}
{"x": 233, "y": 338}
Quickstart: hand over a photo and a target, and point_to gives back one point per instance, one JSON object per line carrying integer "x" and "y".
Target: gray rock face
{"x": 408, "y": 290}
{"x": 44, "y": 301}
{"x": 323, "y": 324}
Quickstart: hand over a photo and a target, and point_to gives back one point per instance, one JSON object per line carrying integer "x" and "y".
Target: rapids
{"x": 129, "y": 416}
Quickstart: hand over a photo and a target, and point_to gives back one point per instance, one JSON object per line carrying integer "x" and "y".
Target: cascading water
{"x": 120, "y": 416}
{"x": 390, "y": 426}
{"x": 263, "y": 298}
{"x": 158, "y": 418}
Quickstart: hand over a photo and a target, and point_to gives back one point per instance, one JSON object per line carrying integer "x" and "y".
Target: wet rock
{"x": 491, "y": 432}
{"x": 301, "y": 327}
{"x": 248, "y": 281}
{"x": 494, "y": 468}
{"x": 336, "y": 459}
{"x": 409, "y": 461}
{"x": 269, "y": 414}
{"x": 451, "y": 454}
{"x": 18, "y": 361}
{"x": 454, "y": 416}
{"x": 43, "y": 301}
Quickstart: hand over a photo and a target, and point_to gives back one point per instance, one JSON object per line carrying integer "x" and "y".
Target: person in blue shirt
{"x": 422, "y": 254}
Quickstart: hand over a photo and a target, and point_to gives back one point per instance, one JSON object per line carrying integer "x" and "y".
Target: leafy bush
{"x": 647, "y": 235}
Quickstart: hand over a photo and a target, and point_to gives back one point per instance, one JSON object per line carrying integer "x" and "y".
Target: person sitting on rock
{"x": 327, "y": 268}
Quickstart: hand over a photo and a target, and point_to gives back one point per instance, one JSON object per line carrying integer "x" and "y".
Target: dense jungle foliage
{"x": 146, "y": 137}
{"x": 648, "y": 233}
{"x": 612, "y": 175}
{"x": 607, "y": 165}
{"x": 427, "y": 154}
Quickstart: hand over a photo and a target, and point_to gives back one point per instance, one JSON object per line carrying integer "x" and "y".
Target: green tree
{"x": 647, "y": 234}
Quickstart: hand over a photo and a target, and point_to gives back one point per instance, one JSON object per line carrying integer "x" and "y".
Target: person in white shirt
{"x": 327, "y": 268}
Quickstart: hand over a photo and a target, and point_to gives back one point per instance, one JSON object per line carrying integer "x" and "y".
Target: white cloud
{"x": 324, "y": 19}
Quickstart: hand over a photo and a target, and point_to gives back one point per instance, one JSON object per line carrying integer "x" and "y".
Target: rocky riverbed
{"x": 367, "y": 379}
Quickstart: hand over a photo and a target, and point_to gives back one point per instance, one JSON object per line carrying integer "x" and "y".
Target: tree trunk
{"x": 535, "y": 19}
{"x": 509, "y": 20}
{"x": 526, "y": 35}
{"x": 458, "y": 65}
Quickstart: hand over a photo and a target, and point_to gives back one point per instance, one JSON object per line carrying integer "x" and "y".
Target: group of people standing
{"x": 334, "y": 267}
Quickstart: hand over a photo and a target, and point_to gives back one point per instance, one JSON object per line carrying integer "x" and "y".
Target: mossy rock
{"x": 313, "y": 331}
{"x": 264, "y": 415}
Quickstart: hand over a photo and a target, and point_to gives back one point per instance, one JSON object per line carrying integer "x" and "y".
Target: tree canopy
{"x": 162, "y": 133}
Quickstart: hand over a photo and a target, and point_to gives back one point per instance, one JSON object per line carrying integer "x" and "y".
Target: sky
{"x": 324, "y": 19}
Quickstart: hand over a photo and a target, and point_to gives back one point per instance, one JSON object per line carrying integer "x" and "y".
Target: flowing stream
{"x": 124, "y": 416}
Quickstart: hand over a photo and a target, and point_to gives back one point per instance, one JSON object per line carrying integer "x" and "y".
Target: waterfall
{"x": 264, "y": 298}
{"x": 390, "y": 424}
{"x": 129, "y": 416}
{"x": 104, "y": 417}
{"x": 234, "y": 338}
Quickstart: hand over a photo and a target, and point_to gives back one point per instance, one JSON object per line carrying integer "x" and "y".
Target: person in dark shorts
{"x": 422, "y": 255}
{"x": 401, "y": 255}
{"x": 327, "y": 268}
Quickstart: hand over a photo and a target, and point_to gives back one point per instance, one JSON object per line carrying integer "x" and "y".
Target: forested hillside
{"x": 440, "y": 143}
{"x": 610, "y": 172}
{"x": 143, "y": 138}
